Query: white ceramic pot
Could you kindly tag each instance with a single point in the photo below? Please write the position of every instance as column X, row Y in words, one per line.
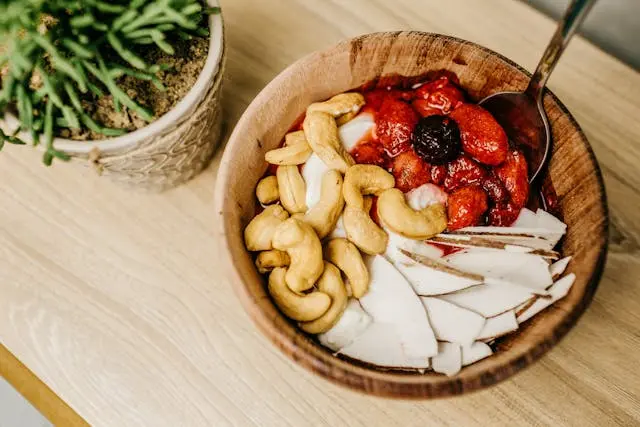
column 170, row 150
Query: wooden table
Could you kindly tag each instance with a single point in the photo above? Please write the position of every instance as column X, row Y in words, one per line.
column 115, row 299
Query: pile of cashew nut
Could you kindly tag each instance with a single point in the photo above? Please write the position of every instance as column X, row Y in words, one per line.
column 312, row 276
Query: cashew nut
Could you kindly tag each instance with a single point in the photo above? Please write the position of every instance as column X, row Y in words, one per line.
column 295, row 152
column 268, row 260
column 339, row 105
column 292, row 188
column 300, row 307
column 259, row 233
column 294, row 138
column 400, row 218
column 322, row 134
column 331, row 284
column 347, row 258
column 303, row 246
column 363, row 232
column 365, row 180
column 324, row 215
column 346, row 118
column 267, row 190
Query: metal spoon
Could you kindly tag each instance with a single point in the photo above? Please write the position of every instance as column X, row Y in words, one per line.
column 521, row 114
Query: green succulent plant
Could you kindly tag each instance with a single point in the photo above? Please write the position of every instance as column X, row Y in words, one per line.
column 52, row 52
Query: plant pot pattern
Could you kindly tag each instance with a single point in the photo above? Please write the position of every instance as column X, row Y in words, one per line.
column 174, row 156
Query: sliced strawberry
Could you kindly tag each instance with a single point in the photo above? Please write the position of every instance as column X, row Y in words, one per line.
column 394, row 125
column 410, row 171
column 503, row 215
column 482, row 137
column 438, row 174
column 514, row 176
column 495, row 189
column 369, row 152
column 463, row 171
column 466, row 206
column 423, row 108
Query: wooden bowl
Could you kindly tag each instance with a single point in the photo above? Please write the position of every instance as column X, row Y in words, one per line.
column 573, row 171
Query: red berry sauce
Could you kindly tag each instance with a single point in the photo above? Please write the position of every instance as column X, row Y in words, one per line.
column 487, row 181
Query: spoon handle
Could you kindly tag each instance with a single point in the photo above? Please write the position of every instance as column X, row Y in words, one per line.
column 573, row 17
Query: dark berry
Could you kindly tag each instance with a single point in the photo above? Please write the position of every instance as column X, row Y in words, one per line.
column 437, row 139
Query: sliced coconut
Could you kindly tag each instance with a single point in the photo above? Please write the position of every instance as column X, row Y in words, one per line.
column 538, row 232
column 383, row 344
column 391, row 299
column 463, row 241
column 489, row 300
column 557, row 268
column 353, row 322
column 429, row 277
column 448, row 361
column 355, row 129
column 550, row 222
column 397, row 242
column 519, row 268
column 452, row 323
column 474, row 352
column 499, row 325
column 312, row 173
column 425, row 195
column 526, row 219
column 558, row 290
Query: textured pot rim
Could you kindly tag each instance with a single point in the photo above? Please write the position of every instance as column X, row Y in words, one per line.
column 209, row 70
column 397, row 385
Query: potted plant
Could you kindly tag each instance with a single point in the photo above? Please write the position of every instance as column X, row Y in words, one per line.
column 130, row 86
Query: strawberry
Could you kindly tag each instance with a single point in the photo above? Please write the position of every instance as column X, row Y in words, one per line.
column 495, row 190
column 394, row 125
column 369, row 152
column 503, row 215
column 463, row 171
column 440, row 94
column 482, row 137
column 438, row 174
column 514, row 176
column 465, row 207
column 410, row 171
column 423, row 107
column 374, row 98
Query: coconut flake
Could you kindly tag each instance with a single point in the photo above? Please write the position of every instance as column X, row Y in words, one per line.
column 430, row 277
column 398, row 242
column 520, row 268
column 383, row 344
column 558, row 290
column 391, row 300
column 557, row 268
column 355, row 129
column 353, row 322
column 499, row 325
column 474, row 352
column 526, row 219
column 489, row 300
column 481, row 243
column 452, row 323
column 448, row 361
column 550, row 222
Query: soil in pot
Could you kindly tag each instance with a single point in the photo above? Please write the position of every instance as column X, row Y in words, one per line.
column 183, row 69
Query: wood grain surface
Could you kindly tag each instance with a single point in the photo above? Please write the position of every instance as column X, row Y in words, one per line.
column 116, row 301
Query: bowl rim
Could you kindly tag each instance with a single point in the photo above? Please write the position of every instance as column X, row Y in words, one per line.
column 390, row 386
